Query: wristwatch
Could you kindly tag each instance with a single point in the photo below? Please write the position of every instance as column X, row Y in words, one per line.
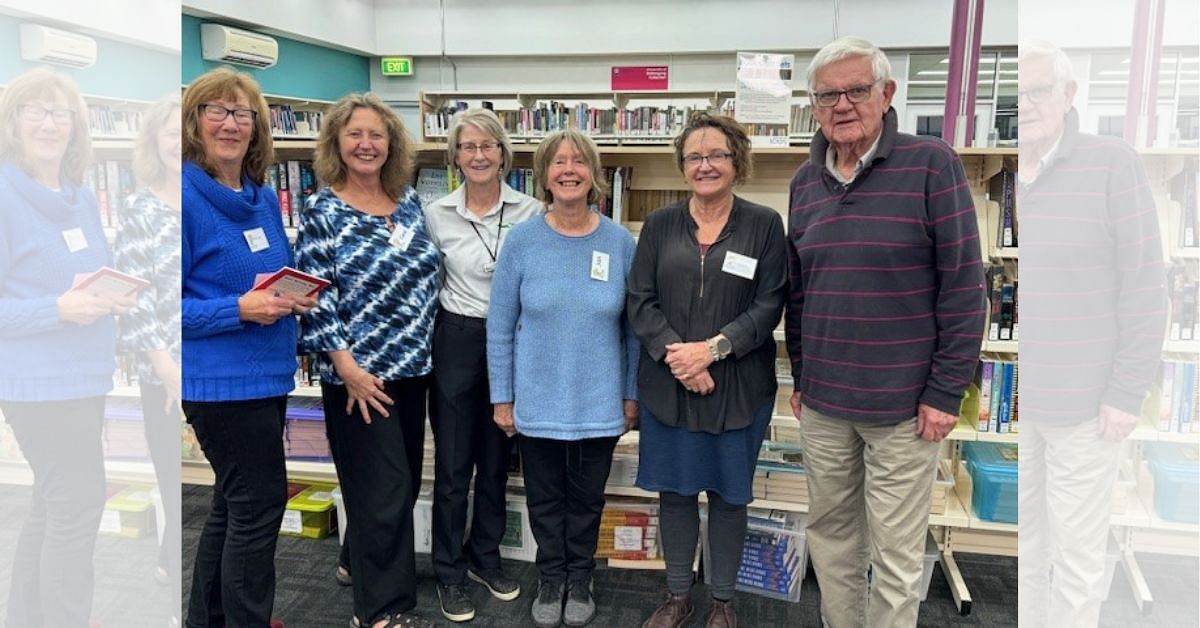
column 719, row 347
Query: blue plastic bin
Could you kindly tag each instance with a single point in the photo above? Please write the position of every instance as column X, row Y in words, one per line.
column 993, row 469
column 1176, row 469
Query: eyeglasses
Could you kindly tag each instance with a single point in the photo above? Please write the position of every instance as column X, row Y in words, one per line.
column 715, row 159
column 486, row 147
column 1037, row 94
column 856, row 95
column 37, row 113
column 218, row 113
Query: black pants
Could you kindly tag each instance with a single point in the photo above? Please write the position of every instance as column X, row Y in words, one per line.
column 466, row 440
column 163, row 436
column 379, row 467
column 564, row 487
column 233, row 583
column 52, row 572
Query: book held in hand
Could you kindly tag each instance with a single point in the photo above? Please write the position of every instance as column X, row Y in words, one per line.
column 288, row 280
column 110, row 283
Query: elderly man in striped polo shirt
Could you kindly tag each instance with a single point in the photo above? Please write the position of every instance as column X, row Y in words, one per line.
column 884, row 322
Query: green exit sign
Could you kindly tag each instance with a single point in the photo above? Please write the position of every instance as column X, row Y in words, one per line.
column 396, row 66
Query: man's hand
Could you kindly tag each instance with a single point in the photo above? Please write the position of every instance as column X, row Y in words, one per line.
column 932, row 424
column 1116, row 425
column 794, row 401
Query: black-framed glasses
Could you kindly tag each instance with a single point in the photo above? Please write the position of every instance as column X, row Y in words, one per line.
column 35, row 113
column 218, row 113
column 715, row 159
column 1037, row 94
column 471, row 149
column 857, row 94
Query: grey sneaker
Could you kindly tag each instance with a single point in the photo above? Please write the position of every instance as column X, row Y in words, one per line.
column 547, row 608
column 580, row 606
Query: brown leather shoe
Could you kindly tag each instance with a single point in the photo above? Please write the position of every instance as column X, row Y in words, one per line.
column 673, row 613
column 721, row 615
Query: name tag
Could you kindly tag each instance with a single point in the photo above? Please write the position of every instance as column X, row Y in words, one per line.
column 401, row 237
column 599, row 266
column 256, row 239
column 75, row 239
column 739, row 265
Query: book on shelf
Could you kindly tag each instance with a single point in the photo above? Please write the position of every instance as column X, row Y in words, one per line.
column 997, row 383
column 104, row 120
column 112, row 182
column 1178, row 396
column 288, row 121
column 293, row 181
column 1184, row 321
column 1189, row 220
column 1007, row 227
column 1002, row 300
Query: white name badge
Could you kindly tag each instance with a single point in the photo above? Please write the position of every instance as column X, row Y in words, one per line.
column 401, row 237
column 75, row 239
column 739, row 265
column 256, row 239
column 599, row 266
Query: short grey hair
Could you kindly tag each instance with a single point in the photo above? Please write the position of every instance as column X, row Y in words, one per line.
column 1064, row 72
column 486, row 121
column 845, row 48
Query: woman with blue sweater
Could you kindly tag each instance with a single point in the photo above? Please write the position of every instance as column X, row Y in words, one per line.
column 372, row 334
column 58, row 344
column 239, row 345
column 562, row 363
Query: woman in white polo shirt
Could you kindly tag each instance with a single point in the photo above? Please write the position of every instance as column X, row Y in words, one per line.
column 469, row 226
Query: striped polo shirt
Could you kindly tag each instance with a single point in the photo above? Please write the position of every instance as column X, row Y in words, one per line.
column 886, row 300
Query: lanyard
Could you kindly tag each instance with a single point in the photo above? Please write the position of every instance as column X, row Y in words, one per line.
column 499, row 224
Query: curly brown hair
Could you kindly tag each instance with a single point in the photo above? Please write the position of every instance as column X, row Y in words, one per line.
column 397, row 170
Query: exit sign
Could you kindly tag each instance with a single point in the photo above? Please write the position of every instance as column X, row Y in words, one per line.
column 396, row 66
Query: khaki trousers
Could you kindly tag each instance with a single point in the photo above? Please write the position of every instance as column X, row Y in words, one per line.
column 1066, row 482
column 869, row 491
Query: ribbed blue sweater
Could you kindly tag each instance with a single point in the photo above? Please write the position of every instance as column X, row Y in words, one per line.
column 45, row 359
column 559, row 345
column 224, row 359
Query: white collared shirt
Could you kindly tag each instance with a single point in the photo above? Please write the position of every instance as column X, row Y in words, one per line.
column 1026, row 177
column 831, row 161
column 464, row 239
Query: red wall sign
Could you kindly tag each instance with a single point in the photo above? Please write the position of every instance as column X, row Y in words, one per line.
column 626, row 77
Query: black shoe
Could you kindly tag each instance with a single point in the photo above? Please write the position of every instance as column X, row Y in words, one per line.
column 456, row 604
column 501, row 586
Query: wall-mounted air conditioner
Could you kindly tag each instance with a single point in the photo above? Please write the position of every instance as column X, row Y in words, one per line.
column 233, row 45
column 51, row 45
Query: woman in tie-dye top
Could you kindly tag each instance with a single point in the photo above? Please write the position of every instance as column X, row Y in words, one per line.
column 371, row 332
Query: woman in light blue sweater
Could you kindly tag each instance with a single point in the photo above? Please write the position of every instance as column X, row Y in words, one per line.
column 57, row 344
column 562, row 363
column 239, row 345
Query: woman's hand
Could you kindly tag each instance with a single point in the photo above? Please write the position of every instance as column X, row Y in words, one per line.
column 302, row 305
column 631, row 414
column 701, row 384
column 167, row 371
column 364, row 390
column 84, row 308
column 264, row 306
column 502, row 414
column 687, row 359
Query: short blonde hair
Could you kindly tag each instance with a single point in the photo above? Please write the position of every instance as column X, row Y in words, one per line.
column 735, row 136
column 148, row 168
column 46, row 83
column 226, row 83
column 327, row 161
column 587, row 149
column 485, row 121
